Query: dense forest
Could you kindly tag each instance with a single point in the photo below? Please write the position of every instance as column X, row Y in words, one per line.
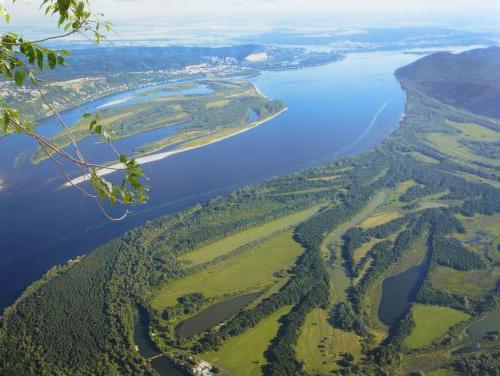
column 412, row 201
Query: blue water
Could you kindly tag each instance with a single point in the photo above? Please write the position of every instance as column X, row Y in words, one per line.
column 333, row 110
column 397, row 294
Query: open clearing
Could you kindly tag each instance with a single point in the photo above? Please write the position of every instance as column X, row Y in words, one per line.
column 325, row 178
column 423, row 158
column 377, row 200
column 320, row 344
column 249, row 270
column 483, row 234
column 474, row 131
column 244, row 355
column 361, row 251
column 232, row 242
column 451, row 145
column 431, row 322
column 441, row 372
column 380, row 218
column 472, row 283
column 400, row 189
column 429, row 362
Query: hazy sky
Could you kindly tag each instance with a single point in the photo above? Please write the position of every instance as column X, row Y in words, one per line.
column 257, row 14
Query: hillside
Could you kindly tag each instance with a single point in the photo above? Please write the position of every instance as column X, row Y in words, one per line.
column 340, row 269
column 469, row 80
column 88, row 62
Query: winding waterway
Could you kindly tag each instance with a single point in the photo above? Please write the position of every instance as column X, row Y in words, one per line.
column 333, row 110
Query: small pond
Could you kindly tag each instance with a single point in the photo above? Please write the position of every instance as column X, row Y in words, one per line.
column 214, row 315
column 490, row 323
column 397, row 294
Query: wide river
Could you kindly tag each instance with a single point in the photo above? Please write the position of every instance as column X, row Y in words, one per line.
column 333, row 110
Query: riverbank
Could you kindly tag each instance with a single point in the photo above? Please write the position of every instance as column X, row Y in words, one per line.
column 159, row 156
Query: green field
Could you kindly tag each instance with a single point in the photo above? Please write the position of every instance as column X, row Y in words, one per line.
column 230, row 243
column 380, row 218
column 474, row 131
column 377, row 200
column 320, row 344
column 483, row 233
column 362, row 250
column 432, row 361
column 441, row 372
column 423, row 158
column 431, row 323
column 453, row 147
column 325, row 178
column 340, row 282
column 246, row 271
column 244, row 355
column 472, row 283
column 400, row 189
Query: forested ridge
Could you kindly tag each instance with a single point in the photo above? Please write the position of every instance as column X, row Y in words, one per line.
column 79, row 319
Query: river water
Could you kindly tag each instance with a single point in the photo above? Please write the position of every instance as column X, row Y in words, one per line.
column 333, row 110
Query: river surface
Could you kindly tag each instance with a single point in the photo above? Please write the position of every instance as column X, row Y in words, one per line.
column 333, row 110
column 148, row 349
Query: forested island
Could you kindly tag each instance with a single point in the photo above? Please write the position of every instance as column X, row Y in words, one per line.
column 198, row 113
column 293, row 276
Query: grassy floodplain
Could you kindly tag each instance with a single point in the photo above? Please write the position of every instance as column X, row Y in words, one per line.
column 244, row 354
column 246, row 271
column 320, row 344
column 471, row 283
column 431, row 322
column 230, row 243
column 442, row 372
column 380, row 218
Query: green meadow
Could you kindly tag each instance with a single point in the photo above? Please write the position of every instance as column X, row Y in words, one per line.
column 246, row 271
column 244, row 355
column 230, row 243
column 431, row 323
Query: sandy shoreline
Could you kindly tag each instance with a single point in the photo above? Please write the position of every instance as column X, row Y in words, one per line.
column 159, row 156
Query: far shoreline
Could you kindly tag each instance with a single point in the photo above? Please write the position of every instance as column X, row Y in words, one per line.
column 145, row 159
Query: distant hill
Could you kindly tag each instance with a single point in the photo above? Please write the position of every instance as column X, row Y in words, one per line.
column 106, row 61
column 99, row 61
column 470, row 80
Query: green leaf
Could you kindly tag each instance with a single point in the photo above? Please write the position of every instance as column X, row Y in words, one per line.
column 4, row 14
column 30, row 52
column 19, row 77
column 52, row 59
column 39, row 58
column 63, row 6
